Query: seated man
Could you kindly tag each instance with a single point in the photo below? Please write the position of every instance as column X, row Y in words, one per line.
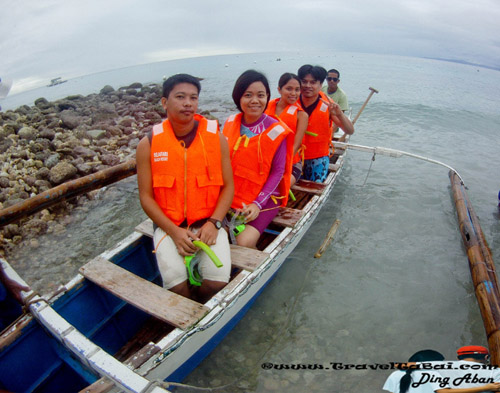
column 332, row 90
column 186, row 187
column 323, row 113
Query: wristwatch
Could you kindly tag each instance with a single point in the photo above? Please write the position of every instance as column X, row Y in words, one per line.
column 217, row 223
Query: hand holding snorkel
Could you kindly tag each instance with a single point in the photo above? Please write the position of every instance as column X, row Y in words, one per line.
column 251, row 212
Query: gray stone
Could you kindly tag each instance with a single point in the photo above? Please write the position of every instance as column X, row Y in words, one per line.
column 70, row 119
column 80, row 151
column 110, row 159
column 52, row 161
column 96, row 134
column 61, row 172
column 107, row 90
column 47, row 133
column 28, row 133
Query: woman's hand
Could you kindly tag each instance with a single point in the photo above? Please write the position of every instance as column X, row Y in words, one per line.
column 183, row 240
column 251, row 212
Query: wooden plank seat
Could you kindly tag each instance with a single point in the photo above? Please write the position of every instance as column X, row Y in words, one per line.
column 241, row 257
column 309, row 186
column 287, row 217
column 161, row 303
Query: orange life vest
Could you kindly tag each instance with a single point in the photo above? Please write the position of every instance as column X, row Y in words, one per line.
column 251, row 159
column 289, row 117
column 186, row 181
column 319, row 123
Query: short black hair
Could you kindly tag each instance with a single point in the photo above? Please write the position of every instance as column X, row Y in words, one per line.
column 174, row 80
column 317, row 72
column 333, row 70
column 287, row 77
column 245, row 80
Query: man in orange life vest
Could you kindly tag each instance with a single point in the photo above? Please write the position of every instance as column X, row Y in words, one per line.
column 323, row 112
column 186, row 187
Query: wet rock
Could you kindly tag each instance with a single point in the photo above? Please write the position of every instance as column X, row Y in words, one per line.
column 135, row 85
column 61, row 172
column 107, row 90
column 52, row 161
column 96, row 134
column 11, row 230
column 47, row 133
column 35, row 227
column 80, row 151
column 11, row 127
column 28, row 133
column 42, row 103
column 110, row 159
column 70, row 119
column 5, row 144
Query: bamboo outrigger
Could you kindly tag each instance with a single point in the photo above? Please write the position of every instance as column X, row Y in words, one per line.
column 481, row 266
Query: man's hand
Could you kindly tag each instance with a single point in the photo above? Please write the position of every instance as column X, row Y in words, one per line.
column 183, row 240
column 208, row 233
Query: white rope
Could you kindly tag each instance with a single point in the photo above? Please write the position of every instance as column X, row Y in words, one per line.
column 394, row 153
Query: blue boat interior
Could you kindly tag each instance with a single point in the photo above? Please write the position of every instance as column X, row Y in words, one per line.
column 37, row 362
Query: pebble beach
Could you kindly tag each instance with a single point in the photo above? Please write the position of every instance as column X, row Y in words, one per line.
column 51, row 142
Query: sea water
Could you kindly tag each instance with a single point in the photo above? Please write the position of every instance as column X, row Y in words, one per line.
column 395, row 280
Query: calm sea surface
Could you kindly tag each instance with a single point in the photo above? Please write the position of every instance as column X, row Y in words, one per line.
column 395, row 280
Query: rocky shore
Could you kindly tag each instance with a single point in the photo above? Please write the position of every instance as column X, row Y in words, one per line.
column 50, row 143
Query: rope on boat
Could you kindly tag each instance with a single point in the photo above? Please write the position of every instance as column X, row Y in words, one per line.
column 385, row 151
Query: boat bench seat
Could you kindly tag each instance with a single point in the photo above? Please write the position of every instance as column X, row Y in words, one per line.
column 287, row 217
column 309, row 186
column 241, row 257
column 159, row 302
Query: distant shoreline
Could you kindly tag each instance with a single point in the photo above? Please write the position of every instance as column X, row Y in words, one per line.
column 464, row 62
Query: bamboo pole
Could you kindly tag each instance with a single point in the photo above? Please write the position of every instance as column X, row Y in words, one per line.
column 481, row 266
column 328, row 239
column 66, row 191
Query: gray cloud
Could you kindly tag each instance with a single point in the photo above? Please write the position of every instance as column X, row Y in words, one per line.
column 40, row 40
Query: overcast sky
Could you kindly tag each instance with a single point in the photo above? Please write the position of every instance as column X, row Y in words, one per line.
column 42, row 39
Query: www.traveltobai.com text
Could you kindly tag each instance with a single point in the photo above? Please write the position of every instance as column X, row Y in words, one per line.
column 375, row 366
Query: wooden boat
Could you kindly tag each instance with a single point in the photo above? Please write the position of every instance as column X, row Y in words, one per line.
column 114, row 327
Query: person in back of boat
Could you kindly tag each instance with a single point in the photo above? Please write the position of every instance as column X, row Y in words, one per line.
column 10, row 299
column 186, row 187
column 323, row 113
column 471, row 369
column 414, row 378
column 261, row 149
column 287, row 109
column 332, row 89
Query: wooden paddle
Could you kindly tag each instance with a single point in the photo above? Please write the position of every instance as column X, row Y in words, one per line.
column 372, row 90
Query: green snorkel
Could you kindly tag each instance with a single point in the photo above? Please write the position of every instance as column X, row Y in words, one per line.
column 192, row 263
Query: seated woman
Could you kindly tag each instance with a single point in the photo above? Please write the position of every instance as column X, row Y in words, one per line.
column 261, row 150
column 287, row 109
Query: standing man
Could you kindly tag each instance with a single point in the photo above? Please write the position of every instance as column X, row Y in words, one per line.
column 333, row 90
column 323, row 113
column 186, row 187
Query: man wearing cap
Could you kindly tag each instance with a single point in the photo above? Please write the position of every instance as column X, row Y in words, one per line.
column 471, row 369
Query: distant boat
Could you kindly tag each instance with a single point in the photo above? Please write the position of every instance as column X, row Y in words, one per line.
column 56, row 81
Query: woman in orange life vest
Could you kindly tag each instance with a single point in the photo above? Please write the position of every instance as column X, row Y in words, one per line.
column 289, row 111
column 186, row 183
column 261, row 149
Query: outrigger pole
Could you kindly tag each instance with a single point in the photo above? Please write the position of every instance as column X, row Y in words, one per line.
column 482, row 267
column 385, row 151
